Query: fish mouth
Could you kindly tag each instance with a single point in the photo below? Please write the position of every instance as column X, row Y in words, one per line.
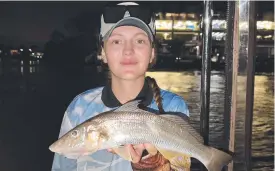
column 53, row 148
column 70, row 152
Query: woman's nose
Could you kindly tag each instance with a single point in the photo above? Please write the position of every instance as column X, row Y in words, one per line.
column 128, row 48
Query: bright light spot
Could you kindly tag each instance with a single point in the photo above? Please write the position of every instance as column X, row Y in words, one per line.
column 214, row 59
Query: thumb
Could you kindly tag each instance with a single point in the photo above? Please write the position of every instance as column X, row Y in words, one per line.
column 111, row 150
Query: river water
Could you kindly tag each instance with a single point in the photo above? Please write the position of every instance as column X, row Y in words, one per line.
column 23, row 113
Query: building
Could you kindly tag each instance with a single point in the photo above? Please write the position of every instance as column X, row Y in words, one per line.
column 179, row 35
column 184, row 29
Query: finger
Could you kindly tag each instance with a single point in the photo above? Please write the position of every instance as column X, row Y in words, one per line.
column 139, row 149
column 111, row 151
column 135, row 153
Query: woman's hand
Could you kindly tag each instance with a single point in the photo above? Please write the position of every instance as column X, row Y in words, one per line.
column 136, row 151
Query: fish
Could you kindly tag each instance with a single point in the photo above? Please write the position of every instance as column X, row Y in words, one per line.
column 170, row 134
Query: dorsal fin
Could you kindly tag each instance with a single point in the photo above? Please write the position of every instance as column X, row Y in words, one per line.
column 129, row 106
column 183, row 121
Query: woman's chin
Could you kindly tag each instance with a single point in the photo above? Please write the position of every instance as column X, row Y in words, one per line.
column 128, row 75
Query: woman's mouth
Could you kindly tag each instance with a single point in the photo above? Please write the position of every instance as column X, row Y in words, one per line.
column 128, row 63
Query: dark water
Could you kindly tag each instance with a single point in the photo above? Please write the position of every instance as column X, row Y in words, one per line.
column 32, row 106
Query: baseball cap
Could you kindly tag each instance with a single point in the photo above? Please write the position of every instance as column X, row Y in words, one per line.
column 127, row 14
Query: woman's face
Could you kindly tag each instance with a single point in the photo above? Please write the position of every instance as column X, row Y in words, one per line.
column 128, row 52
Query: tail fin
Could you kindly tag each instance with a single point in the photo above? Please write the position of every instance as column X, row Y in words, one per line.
column 218, row 160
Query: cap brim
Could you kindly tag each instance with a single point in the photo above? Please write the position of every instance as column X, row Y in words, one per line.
column 130, row 21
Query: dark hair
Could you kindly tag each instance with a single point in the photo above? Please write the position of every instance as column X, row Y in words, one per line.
column 156, row 93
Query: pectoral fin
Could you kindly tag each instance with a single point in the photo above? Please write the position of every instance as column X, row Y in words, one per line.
column 122, row 152
column 177, row 160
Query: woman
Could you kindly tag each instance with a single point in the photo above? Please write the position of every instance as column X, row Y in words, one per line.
column 128, row 50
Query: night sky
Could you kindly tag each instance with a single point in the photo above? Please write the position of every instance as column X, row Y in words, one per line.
column 33, row 22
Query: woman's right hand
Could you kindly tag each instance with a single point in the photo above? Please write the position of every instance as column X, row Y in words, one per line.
column 136, row 151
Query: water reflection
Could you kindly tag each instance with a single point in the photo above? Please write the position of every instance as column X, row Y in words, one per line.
column 263, row 124
column 26, row 71
column 187, row 84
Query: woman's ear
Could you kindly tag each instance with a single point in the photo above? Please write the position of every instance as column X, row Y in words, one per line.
column 103, row 56
column 152, row 55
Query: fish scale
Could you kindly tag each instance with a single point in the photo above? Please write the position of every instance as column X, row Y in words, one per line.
column 138, row 123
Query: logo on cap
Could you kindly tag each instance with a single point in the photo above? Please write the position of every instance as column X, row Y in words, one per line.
column 127, row 14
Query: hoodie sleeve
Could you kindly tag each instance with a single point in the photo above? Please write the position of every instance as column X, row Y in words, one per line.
column 178, row 104
column 70, row 120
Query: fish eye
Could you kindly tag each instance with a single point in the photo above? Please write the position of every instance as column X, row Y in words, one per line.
column 75, row 133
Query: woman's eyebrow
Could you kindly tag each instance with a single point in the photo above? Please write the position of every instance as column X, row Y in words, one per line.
column 141, row 34
column 116, row 34
column 136, row 34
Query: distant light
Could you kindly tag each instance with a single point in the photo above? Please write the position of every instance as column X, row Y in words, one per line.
column 21, row 50
column 214, row 59
column 30, row 50
column 22, row 70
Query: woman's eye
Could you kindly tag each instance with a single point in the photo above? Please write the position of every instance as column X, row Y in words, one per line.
column 116, row 42
column 140, row 41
